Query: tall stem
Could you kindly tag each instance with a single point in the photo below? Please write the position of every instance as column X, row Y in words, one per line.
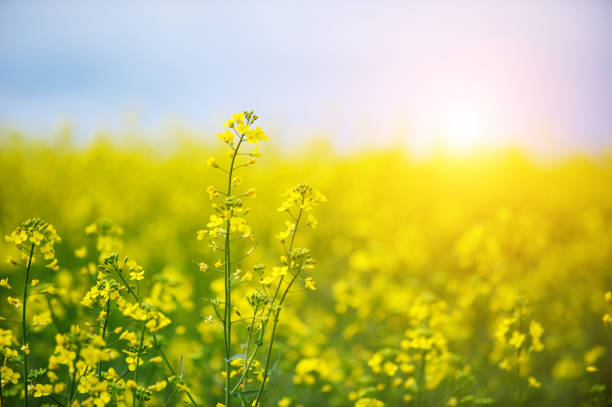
column 519, row 395
column 276, row 315
column 1, row 395
column 24, row 328
column 108, row 301
column 227, row 318
column 144, row 328
column 246, row 353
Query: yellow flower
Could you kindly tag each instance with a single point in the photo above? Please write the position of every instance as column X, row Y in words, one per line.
column 309, row 283
column 255, row 135
column 369, row 402
column 53, row 265
column 608, row 297
column 41, row 390
column 592, row 369
column 533, row 382
column 284, row 402
column 8, row 375
column 517, row 339
column 227, row 136
column 16, row 302
column 137, row 275
column 41, row 320
column 4, row 283
column 158, row 386
column 81, row 252
column 203, row 267
column 390, row 368
column 211, row 162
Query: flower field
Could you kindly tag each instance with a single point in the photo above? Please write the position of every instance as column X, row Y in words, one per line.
column 369, row 278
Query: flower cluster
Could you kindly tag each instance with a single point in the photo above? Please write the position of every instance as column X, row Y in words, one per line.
column 35, row 234
column 245, row 375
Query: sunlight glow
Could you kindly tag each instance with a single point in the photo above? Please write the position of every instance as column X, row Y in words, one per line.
column 465, row 128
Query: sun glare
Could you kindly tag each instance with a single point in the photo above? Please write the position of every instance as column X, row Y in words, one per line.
column 464, row 129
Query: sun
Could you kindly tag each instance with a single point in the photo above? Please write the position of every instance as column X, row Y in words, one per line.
column 464, row 128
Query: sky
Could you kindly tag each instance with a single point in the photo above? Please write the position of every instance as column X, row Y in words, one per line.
column 464, row 75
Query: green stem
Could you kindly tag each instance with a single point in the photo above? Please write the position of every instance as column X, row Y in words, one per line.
column 108, row 301
column 144, row 328
column 244, row 378
column 422, row 379
column 519, row 395
column 1, row 394
column 72, row 380
column 258, row 344
column 157, row 346
column 227, row 320
column 169, row 366
column 24, row 328
column 289, row 260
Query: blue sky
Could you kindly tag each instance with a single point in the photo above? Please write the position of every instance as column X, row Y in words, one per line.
column 536, row 74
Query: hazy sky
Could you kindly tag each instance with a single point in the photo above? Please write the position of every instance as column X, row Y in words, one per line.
column 537, row 73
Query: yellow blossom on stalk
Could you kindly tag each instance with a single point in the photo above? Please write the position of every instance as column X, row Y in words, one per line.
column 211, row 162
column 16, row 302
column 158, row 386
column 9, row 375
column 137, row 275
column 41, row 390
column 236, row 181
column 255, row 135
column 4, row 283
column 309, row 283
column 212, row 192
column 227, row 136
column 390, row 368
column 536, row 331
column 36, row 233
column 41, row 320
column 53, row 265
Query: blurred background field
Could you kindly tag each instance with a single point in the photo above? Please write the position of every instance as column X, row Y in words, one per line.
column 466, row 236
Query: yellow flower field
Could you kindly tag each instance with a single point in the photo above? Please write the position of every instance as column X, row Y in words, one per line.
column 381, row 279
